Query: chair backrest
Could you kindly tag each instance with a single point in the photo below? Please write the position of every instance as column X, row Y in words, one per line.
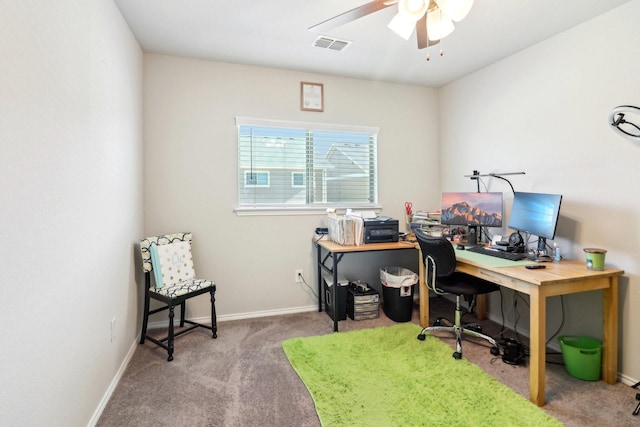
column 440, row 250
column 165, row 239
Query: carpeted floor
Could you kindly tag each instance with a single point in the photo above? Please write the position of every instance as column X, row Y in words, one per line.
column 243, row 378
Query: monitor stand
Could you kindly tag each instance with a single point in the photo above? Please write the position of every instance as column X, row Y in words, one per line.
column 542, row 246
column 541, row 255
column 472, row 235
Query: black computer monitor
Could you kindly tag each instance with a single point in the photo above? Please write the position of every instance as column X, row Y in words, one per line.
column 475, row 209
column 537, row 214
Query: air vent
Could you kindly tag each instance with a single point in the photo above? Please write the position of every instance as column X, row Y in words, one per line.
column 331, row 43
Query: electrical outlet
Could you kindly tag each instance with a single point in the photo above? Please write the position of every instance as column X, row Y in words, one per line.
column 299, row 276
column 113, row 329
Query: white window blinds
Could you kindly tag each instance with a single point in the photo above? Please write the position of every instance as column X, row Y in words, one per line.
column 293, row 164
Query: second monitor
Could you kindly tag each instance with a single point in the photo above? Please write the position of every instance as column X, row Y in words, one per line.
column 536, row 214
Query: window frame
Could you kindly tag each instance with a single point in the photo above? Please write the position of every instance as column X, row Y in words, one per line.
column 316, row 207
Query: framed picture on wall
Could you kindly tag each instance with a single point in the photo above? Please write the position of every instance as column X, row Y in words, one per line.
column 311, row 96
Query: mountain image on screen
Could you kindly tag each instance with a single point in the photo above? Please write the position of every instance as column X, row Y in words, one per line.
column 464, row 214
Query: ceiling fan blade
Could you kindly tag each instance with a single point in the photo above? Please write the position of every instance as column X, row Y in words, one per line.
column 353, row 14
column 422, row 35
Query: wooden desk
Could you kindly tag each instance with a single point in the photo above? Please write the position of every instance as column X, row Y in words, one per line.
column 563, row 278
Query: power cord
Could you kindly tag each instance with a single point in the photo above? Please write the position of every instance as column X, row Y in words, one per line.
column 517, row 342
column 319, row 238
column 309, row 286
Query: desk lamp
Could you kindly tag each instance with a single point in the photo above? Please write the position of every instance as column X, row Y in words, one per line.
column 477, row 175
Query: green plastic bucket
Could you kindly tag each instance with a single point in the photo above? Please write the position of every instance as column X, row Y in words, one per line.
column 594, row 258
column 582, row 356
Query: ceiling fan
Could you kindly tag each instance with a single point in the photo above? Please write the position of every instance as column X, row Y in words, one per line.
column 432, row 19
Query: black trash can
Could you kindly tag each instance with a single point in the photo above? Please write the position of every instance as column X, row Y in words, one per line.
column 397, row 292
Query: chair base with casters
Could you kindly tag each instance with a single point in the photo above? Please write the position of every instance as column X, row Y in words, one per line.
column 442, row 278
column 459, row 329
column 173, row 295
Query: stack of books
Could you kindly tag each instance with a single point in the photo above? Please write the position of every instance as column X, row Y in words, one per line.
column 428, row 220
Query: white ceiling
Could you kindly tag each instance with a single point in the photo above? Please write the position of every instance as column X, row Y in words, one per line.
column 275, row 33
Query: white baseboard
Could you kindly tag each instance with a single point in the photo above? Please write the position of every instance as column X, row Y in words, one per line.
column 624, row 379
column 250, row 315
column 114, row 383
column 240, row 316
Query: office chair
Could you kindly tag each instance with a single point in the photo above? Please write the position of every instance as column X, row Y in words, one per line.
column 440, row 276
column 168, row 258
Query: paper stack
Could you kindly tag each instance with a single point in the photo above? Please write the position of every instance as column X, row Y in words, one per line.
column 347, row 230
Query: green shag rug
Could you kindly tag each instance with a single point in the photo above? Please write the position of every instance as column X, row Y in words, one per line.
column 386, row 377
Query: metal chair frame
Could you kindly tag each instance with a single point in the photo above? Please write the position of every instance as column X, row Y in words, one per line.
column 441, row 277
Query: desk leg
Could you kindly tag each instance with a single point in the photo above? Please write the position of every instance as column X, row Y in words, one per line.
column 610, row 332
column 319, row 266
column 537, row 368
column 423, row 292
column 334, row 293
column 481, row 306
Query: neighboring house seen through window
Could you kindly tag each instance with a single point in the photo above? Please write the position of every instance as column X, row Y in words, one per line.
column 289, row 165
column 256, row 179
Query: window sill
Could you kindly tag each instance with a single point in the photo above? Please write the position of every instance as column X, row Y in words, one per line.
column 297, row 210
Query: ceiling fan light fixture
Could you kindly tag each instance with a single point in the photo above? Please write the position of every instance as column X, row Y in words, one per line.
column 413, row 9
column 409, row 12
column 439, row 25
column 402, row 26
column 457, row 10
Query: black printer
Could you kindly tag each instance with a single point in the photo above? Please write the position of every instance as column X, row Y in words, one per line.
column 380, row 229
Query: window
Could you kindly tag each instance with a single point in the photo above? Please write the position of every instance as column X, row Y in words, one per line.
column 256, row 179
column 292, row 165
column 297, row 179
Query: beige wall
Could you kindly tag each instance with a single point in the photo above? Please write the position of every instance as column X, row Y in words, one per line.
column 191, row 171
column 71, row 191
column 544, row 111
column 71, row 175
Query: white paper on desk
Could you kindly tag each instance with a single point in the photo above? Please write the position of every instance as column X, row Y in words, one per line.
column 335, row 230
column 345, row 230
column 358, row 226
column 365, row 214
column 495, row 240
column 348, row 227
